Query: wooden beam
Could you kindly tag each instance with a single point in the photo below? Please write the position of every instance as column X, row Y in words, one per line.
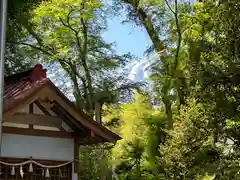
column 70, row 121
column 36, row 132
column 31, row 112
column 35, row 119
column 31, row 108
column 89, row 140
column 43, row 109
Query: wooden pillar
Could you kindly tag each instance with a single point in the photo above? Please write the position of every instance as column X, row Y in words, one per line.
column 76, row 156
column 31, row 112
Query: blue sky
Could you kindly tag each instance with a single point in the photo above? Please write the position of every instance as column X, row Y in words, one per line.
column 133, row 39
column 128, row 37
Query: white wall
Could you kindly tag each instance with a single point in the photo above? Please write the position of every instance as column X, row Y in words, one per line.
column 49, row 148
column 38, row 147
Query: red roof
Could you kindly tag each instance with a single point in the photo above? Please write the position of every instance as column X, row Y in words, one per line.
column 21, row 86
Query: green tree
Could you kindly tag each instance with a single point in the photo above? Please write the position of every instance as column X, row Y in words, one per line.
column 69, row 33
column 142, row 130
column 207, row 70
column 161, row 20
column 212, row 67
column 191, row 151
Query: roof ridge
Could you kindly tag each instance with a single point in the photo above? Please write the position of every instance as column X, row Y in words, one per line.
column 35, row 73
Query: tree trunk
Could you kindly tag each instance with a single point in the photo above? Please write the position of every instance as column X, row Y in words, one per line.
column 85, row 66
column 152, row 32
column 168, row 112
column 98, row 109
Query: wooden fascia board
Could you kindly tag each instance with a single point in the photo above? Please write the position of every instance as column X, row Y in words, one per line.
column 89, row 123
column 71, row 122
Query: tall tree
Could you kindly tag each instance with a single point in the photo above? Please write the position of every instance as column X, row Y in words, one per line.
column 69, row 33
column 142, row 130
column 204, row 140
column 161, row 19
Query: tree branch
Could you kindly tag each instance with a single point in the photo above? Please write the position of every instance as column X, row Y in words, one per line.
column 32, row 46
column 84, row 60
column 179, row 34
column 175, row 13
column 85, row 36
column 29, row 28
column 169, row 7
column 76, row 33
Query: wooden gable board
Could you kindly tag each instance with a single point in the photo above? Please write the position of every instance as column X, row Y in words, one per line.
column 31, row 114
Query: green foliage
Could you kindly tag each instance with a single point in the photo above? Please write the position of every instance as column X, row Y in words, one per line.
column 93, row 163
column 142, row 130
column 112, row 117
column 16, row 60
column 190, row 150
